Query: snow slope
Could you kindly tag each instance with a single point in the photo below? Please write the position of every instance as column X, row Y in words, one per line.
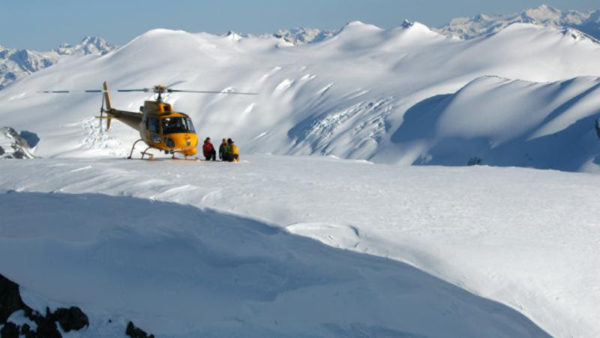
column 508, row 123
column 173, row 270
column 345, row 96
column 526, row 238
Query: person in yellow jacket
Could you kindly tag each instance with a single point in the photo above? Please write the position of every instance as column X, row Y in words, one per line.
column 235, row 151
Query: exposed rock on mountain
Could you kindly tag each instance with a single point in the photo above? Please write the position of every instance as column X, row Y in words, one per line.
column 301, row 36
column 15, row 145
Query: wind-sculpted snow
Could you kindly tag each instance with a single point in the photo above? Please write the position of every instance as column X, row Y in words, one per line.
column 350, row 95
column 216, row 274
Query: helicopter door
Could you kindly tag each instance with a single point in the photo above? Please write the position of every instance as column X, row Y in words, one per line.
column 153, row 128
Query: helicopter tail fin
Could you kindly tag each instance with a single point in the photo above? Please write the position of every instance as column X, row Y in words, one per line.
column 108, row 107
column 106, row 96
column 108, row 110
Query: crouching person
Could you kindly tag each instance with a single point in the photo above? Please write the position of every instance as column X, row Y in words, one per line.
column 223, row 149
column 231, row 152
column 209, row 150
column 235, row 151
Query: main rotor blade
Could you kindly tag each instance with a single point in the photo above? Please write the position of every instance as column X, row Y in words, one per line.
column 145, row 90
column 207, row 92
column 70, row 91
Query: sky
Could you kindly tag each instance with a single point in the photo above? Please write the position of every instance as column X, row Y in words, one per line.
column 43, row 25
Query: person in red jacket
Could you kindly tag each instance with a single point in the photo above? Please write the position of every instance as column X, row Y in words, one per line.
column 209, row 150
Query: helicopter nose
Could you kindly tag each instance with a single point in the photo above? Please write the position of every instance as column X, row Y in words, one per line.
column 182, row 141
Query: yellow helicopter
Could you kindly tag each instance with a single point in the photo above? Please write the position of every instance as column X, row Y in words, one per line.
column 160, row 127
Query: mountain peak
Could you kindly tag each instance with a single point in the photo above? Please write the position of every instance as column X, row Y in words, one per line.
column 407, row 24
column 302, row 35
column 357, row 24
column 357, row 28
column 88, row 45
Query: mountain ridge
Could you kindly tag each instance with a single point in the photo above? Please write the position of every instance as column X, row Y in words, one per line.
column 480, row 25
column 18, row 63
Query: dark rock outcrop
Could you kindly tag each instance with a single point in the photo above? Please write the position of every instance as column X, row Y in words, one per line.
column 135, row 332
column 9, row 330
column 14, row 145
column 71, row 319
column 10, row 301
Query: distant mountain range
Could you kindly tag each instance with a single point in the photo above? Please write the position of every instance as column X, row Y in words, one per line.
column 17, row 63
column 481, row 25
column 587, row 22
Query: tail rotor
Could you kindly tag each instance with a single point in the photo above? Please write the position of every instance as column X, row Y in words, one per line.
column 105, row 99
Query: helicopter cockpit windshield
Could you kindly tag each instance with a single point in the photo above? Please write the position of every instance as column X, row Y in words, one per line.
column 172, row 125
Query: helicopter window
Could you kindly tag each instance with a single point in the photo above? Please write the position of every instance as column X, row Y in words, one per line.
column 190, row 125
column 153, row 125
column 173, row 125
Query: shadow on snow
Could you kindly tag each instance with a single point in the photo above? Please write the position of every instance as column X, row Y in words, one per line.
column 177, row 269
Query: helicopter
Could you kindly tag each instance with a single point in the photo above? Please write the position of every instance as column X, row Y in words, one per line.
column 159, row 126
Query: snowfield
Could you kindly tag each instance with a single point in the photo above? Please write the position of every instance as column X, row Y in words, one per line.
column 220, row 256
column 354, row 243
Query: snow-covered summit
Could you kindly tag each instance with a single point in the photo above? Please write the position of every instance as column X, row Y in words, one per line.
column 89, row 45
column 357, row 29
column 482, row 24
column 301, row 35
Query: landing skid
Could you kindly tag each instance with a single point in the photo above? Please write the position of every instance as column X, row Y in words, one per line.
column 144, row 153
column 193, row 159
column 151, row 156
